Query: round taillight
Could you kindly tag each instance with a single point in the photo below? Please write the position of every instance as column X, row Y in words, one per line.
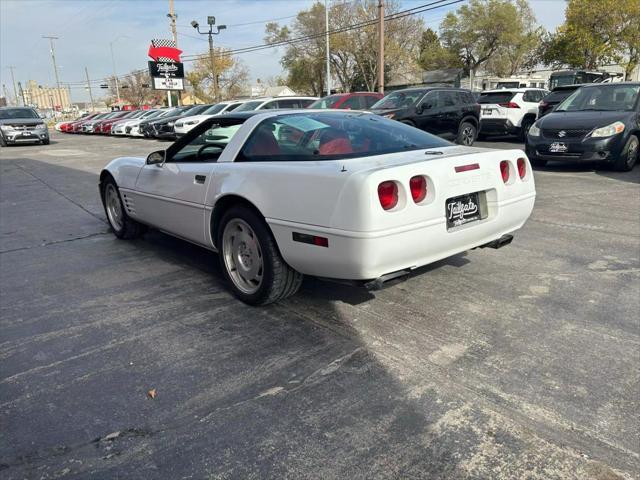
column 418, row 187
column 522, row 167
column 504, row 170
column 388, row 194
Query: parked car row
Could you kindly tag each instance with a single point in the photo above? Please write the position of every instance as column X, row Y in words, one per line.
column 578, row 122
column 171, row 123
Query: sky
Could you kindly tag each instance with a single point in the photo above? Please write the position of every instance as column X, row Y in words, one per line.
column 86, row 27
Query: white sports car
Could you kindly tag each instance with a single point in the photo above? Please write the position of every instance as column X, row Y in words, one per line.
column 337, row 194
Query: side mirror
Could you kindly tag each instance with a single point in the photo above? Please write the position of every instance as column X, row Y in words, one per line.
column 156, row 158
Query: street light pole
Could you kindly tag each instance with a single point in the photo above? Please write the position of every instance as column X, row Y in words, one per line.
column 55, row 67
column 211, row 21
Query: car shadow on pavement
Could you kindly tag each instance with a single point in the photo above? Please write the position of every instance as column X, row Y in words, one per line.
column 91, row 325
column 599, row 168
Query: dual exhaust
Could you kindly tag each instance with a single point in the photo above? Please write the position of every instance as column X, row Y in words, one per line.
column 378, row 283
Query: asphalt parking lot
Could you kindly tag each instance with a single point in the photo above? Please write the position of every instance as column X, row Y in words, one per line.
column 518, row 363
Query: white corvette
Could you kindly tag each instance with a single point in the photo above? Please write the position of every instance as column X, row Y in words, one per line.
column 336, row 194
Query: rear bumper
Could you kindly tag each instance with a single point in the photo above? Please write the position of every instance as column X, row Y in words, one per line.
column 578, row 150
column 370, row 255
column 497, row 126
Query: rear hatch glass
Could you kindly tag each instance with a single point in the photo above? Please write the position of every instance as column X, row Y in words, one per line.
column 493, row 103
column 557, row 97
column 495, row 97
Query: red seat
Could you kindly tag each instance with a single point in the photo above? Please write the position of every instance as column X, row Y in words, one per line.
column 334, row 142
column 263, row 143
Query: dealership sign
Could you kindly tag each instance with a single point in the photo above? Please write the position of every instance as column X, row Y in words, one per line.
column 160, row 83
column 166, row 71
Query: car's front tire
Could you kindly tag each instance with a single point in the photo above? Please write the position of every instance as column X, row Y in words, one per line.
column 123, row 226
column 629, row 155
column 537, row 162
column 3, row 142
column 250, row 260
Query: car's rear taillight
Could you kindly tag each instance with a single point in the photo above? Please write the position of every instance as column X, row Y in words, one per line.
column 504, row 170
column 522, row 167
column 509, row 105
column 388, row 194
column 418, row 187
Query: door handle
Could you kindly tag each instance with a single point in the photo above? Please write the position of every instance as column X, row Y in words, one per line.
column 200, row 178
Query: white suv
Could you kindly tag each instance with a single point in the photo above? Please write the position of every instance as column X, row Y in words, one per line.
column 185, row 124
column 509, row 111
column 276, row 102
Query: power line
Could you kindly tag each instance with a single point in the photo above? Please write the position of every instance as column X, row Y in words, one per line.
column 390, row 17
column 393, row 16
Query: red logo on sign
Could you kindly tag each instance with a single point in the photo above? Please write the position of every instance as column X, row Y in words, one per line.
column 164, row 52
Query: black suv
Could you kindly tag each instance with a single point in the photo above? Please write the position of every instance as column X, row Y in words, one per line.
column 553, row 99
column 448, row 112
column 598, row 122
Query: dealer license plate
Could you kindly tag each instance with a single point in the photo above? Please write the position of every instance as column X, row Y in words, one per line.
column 486, row 111
column 462, row 210
column 26, row 134
column 558, row 147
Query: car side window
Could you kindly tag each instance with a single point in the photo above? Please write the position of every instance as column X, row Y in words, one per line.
column 352, row 103
column 446, row 99
column 271, row 105
column 369, row 100
column 207, row 146
column 531, row 96
column 288, row 103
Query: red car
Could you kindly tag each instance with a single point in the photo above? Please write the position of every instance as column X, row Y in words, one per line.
column 104, row 126
column 68, row 127
column 348, row 101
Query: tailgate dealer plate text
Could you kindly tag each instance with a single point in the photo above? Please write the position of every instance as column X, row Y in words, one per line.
column 462, row 210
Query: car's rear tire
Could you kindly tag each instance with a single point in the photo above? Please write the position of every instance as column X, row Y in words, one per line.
column 466, row 134
column 629, row 155
column 524, row 128
column 250, row 260
column 121, row 224
column 537, row 162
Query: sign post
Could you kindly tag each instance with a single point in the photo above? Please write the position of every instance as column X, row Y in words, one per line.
column 166, row 71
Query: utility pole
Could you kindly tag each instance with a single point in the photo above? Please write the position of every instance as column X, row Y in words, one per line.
column 326, row 30
column 211, row 21
column 55, row 67
column 115, row 77
column 93, row 108
column 381, row 46
column 13, row 80
column 172, row 15
column 6, row 94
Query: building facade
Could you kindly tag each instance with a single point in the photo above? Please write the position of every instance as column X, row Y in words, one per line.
column 46, row 98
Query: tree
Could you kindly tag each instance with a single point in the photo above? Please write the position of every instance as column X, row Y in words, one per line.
column 135, row 89
column 522, row 51
column 433, row 56
column 231, row 73
column 596, row 33
column 353, row 55
column 478, row 31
